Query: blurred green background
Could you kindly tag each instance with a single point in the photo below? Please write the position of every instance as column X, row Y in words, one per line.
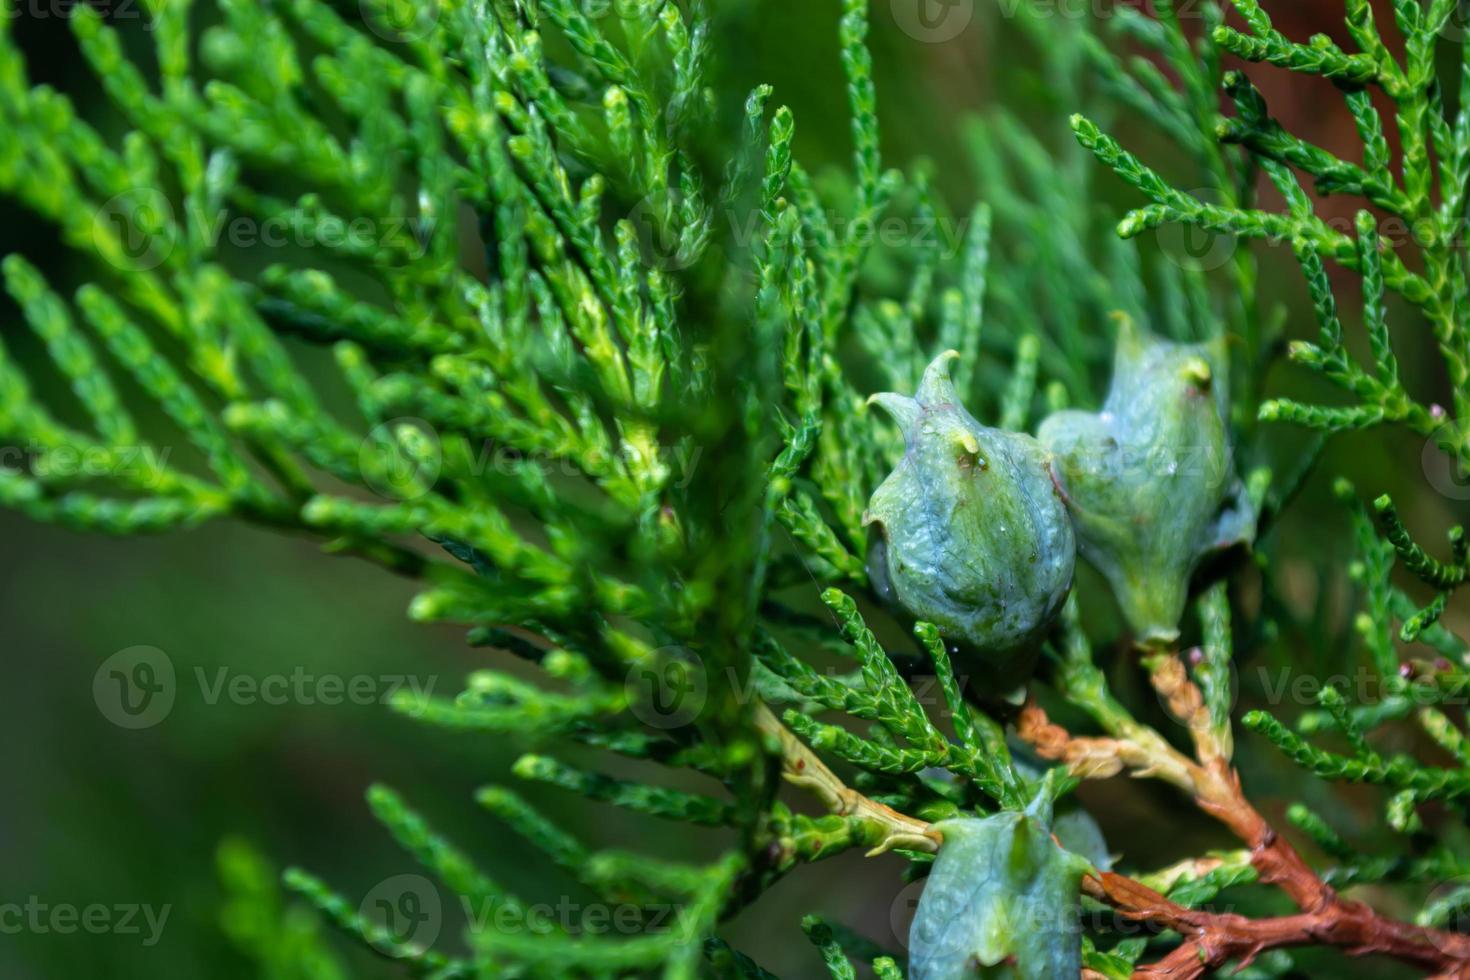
column 95, row 814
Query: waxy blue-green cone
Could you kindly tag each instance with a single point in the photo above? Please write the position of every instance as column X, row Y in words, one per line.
column 1149, row 480
column 1002, row 901
column 973, row 535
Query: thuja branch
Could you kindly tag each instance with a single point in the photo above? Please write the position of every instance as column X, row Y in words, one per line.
column 1214, row 939
column 884, row 827
column 1211, row 939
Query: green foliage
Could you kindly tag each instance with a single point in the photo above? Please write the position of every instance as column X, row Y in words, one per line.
column 1413, row 89
column 286, row 942
column 909, row 741
column 600, row 386
column 1427, row 193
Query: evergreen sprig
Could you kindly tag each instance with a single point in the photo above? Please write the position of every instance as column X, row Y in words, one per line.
column 625, row 436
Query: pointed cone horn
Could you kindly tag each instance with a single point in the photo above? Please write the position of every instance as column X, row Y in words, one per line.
column 937, row 388
column 901, row 408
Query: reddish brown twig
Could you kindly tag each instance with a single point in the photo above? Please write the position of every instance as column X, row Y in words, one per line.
column 1212, row 939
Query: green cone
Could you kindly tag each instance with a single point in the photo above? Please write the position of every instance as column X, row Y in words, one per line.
column 1149, row 480
column 973, row 536
column 1002, row 901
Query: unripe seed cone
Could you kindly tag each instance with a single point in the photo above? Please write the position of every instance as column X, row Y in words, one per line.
column 1149, row 480
column 974, row 537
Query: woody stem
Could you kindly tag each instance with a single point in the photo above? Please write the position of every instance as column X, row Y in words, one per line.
column 1213, row 939
column 803, row 767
